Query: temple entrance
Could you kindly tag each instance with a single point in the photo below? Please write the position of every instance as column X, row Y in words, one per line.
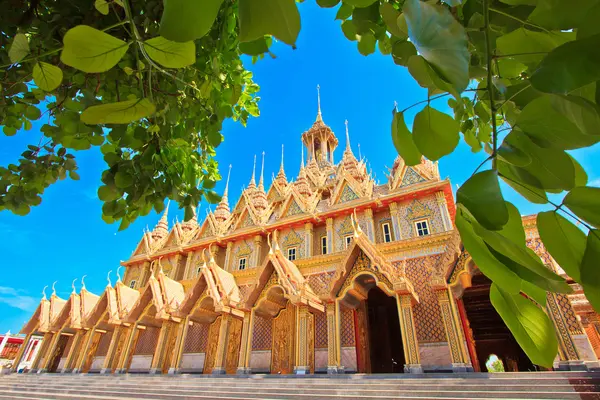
column 282, row 357
column 386, row 354
column 489, row 333
column 59, row 351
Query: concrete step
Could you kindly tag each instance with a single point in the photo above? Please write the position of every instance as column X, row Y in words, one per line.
column 307, row 393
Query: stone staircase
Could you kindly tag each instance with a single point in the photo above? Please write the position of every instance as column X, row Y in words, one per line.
column 537, row 385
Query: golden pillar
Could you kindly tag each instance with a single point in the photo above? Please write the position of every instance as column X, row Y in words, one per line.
column 130, row 336
column 557, row 306
column 308, row 239
column 303, row 351
column 49, row 356
column 20, row 354
column 74, row 350
column 337, row 323
column 409, row 333
column 159, row 356
column 111, row 355
column 179, row 345
column 88, row 350
column 454, row 333
column 220, row 353
column 370, row 224
column 332, row 346
column 41, row 355
column 395, row 221
column 329, row 227
column 246, row 345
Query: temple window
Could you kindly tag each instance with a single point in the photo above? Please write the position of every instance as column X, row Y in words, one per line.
column 387, row 232
column 132, row 283
column 422, row 227
column 348, row 240
column 242, row 263
column 323, row 244
column 291, row 253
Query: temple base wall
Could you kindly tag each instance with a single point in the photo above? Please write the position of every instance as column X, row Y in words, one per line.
column 260, row 361
column 192, row 362
column 140, row 363
column 435, row 356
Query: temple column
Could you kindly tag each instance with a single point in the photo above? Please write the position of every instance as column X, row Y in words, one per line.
column 78, row 339
column 87, row 350
column 227, row 266
column 570, row 359
column 131, row 336
column 246, row 345
column 111, row 354
column 301, row 363
column 338, row 340
column 409, row 334
column 332, row 347
column 43, row 349
column 443, row 206
column 179, row 344
column 50, row 352
column 329, row 235
column 257, row 247
column 370, row 224
column 220, row 354
column 308, row 239
column 394, row 215
column 21, row 353
column 454, row 334
column 161, row 347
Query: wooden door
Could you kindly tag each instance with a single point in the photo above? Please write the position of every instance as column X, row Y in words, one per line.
column 211, row 348
column 170, row 344
column 234, row 341
column 282, row 350
column 58, row 352
column 361, row 326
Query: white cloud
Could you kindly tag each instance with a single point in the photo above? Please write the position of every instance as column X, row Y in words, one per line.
column 15, row 298
column 594, row 182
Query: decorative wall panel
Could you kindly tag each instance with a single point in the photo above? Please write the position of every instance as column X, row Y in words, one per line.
column 146, row 343
column 262, row 333
column 196, row 339
column 320, row 330
column 347, row 327
column 320, row 283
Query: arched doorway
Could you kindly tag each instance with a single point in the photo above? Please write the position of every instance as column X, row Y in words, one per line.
column 379, row 347
column 489, row 332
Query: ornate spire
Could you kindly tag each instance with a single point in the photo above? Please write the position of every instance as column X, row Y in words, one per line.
column 54, row 288
column 44, row 292
column 222, row 211
column 348, row 148
column 259, row 196
column 281, row 178
column 192, row 222
column 319, row 116
column 252, row 184
column 108, row 279
column 262, row 170
column 73, row 286
column 83, row 282
column 162, row 227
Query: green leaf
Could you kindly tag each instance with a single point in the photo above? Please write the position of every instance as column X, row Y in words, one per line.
column 552, row 168
column 279, row 18
column 19, row 48
column 584, row 201
column 327, row 3
column 403, row 51
column 107, row 193
column 403, row 140
column 590, row 278
column 563, row 240
column 484, row 259
column 552, row 121
column 349, row 30
column 360, row 3
column 103, row 6
column 47, row 76
column 425, row 75
column 435, row 133
column 9, row 130
column 212, row 197
column 390, row 16
column 530, row 45
column 123, row 180
column 440, row 39
column 540, row 296
column 255, row 47
column 513, row 176
column 184, row 20
column 344, row 12
column 74, row 175
column 560, row 14
column 366, row 44
column 33, row 113
column 91, row 50
column 568, row 67
column 171, row 54
column 528, row 323
column 481, row 195
column 122, row 112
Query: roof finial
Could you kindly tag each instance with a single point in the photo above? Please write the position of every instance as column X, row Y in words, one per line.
column 281, row 158
column 319, row 117
column 262, row 170
column 347, row 136
column 108, row 279
column 302, row 159
column 227, row 184
column 53, row 288
column 44, row 292
column 82, row 282
column 359, row 154
column 118, row 275
column 252, row 184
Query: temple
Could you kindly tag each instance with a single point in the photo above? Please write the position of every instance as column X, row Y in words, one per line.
column 330, row 272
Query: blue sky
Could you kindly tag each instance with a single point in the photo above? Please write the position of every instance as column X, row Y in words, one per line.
column 65, row 238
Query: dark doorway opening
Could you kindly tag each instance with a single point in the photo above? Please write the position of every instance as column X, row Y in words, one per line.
column 385, row 339
column 490, row 334
column 63, row 340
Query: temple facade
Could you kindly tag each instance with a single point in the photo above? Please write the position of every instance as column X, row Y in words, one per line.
column 329, row 272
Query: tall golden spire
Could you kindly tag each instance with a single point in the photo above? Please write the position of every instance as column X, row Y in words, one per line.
column 222, row 211
column 262, row 170
column 319, row 116
column 347, row 137
column 162, row 227
column 281, row 178
column 252, row 184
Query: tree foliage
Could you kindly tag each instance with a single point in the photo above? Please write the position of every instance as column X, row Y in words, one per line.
column 151, row 82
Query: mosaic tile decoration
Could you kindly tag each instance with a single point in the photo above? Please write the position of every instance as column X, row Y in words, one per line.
column 146, row 343
column 347, row 327
column 320, row 283
column 104, row 344
column 426, row 207
column 293, row 209
column 196, row 339
column 245, row 292
column 411, row 177
column 570, row 317
column 262, row 336
column 320, row 330
column 347, row 194
column 428, row 317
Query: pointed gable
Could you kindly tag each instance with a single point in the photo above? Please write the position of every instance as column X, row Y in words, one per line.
column 143, row 246
column 411, row 177
column 88, row 303
column 39, row 321
column 347, row 194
